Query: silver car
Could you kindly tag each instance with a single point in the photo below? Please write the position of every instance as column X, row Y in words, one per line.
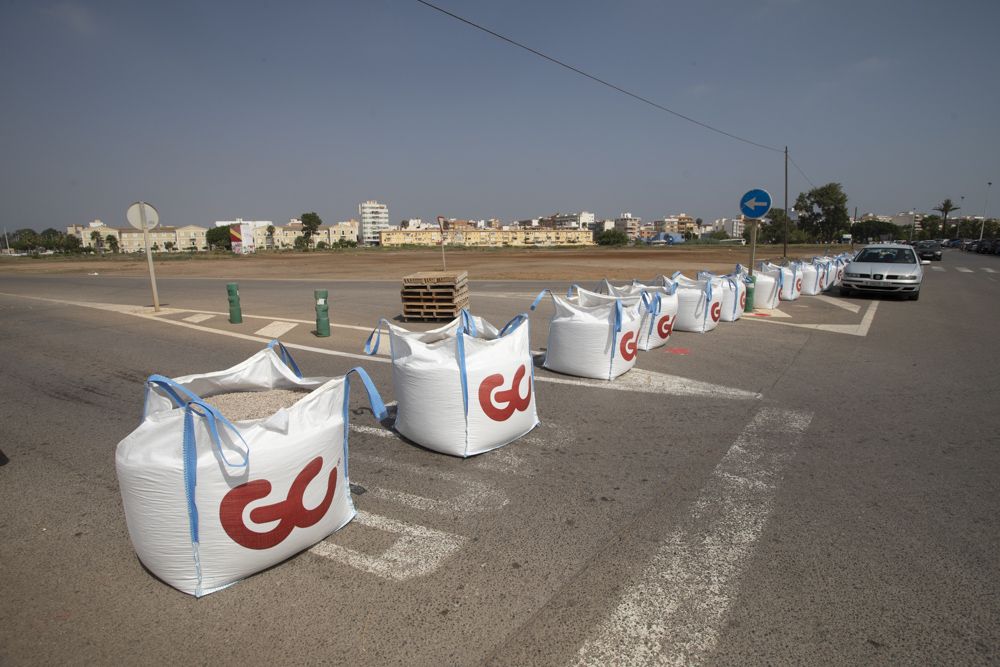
column 884, row 268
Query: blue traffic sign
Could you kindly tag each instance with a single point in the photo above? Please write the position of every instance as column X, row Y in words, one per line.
column 755, row 204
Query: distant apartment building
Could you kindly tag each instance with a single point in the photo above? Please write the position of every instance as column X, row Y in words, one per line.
column 129, row 239
column 374, row 219
column 285, row 235
column 629, row 224
column 733, row 227
column 580, row 220
column 677, row 224
column 908, row 219
column 474, row 237
column 413, row 223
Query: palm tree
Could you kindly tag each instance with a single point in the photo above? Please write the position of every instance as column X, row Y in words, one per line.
column 946, row 207
column 270, row 236
column 95, row 237
column 112, row 243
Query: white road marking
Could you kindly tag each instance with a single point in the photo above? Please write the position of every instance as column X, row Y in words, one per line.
column 937, row 268
column 276, row 329
column 988, row 270
column 962, row 269
column 637, row 379
column 840, row 303
column 860, row 329
column 476, row 496
column 671, row 614
column 417, row 552
column 267, row 317
column 196, row 319
column 651, row 382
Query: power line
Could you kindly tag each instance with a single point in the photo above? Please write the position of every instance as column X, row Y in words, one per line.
column 598, row 80
column 801, row 172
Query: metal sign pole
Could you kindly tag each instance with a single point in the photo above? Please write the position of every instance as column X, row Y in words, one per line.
column 753, row 243
column 149, row 256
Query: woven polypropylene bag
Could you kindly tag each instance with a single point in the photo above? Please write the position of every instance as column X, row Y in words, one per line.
column 464, row 388
column 596, row 341
column 209, row 501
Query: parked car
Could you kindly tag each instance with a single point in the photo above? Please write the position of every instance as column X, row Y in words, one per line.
column 887, row 268
column 985, row 247
column 928, row 250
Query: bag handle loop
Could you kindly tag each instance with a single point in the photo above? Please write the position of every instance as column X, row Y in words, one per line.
column 285, row 356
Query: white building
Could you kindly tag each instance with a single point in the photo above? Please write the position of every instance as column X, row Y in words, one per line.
column 374, row 219
column 581, row 220
column 254, row 224
column 732, row 226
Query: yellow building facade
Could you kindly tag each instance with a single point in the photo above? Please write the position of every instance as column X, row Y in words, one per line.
column 489, row 238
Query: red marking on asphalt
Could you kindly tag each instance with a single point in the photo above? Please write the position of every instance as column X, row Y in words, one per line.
column 758, row 314
column 678, row 350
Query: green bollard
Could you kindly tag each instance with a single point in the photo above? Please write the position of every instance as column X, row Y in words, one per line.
column 751, row 288
column 322, row 313
column 235, row 313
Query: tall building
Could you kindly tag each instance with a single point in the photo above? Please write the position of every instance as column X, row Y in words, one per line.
column 374, row 219
column 630, row 225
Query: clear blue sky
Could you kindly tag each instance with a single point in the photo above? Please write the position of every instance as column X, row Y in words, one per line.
column 265, row 110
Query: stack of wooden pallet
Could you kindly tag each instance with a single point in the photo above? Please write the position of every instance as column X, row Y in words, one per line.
column 435, row 295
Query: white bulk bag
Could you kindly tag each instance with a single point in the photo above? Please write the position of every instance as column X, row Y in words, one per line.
column 812, row 279
column 596, row 341
column 789, row 281
column 734, row 294
column 464, row 388
column 661, row 304
column 766, row 290
column 209, row 501
column 699, row 306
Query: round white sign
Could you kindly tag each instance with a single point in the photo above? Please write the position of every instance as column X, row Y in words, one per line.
column 137, row 210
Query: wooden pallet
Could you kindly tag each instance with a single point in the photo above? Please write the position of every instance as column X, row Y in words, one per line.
column 455, row 278
column 434, row 295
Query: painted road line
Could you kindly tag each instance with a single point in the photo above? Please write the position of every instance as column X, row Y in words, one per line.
column 198, row 318
column 962, row 269
column 276, row 329
column 937, row 268
column 271, row 317
column 672, row 613
column 860, row 329
column 638, row 380
column 651, row 382
column 417, row 551
column 476, row 496
column 840, row 303
column 988, row 270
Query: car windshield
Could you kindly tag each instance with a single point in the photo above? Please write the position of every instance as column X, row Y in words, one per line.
column 887, row 256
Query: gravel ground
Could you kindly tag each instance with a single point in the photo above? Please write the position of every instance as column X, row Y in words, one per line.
column 243, row 405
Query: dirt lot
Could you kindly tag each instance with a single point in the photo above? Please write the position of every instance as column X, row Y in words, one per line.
column 379, row 264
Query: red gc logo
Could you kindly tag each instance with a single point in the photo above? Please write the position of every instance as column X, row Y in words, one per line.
column 507, row 401
column 716, row 311
column 664, row 327
column 798, row 285
column 822, row 281
column 628, row 346
column 290, row 513
column 743, row 301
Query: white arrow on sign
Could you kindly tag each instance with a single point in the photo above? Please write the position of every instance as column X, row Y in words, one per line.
column 753, row 203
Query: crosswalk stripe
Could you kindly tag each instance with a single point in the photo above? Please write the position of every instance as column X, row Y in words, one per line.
column 937, row 268
column 200, row 317
column 962, row 269
column 276, row 329
column 988, row 270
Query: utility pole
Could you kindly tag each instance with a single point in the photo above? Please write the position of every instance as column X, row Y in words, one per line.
column 786, row 203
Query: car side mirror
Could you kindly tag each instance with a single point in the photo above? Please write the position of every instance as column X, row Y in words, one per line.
column 925, row 261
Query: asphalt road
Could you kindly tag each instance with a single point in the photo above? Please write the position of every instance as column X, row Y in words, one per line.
column 818, row 488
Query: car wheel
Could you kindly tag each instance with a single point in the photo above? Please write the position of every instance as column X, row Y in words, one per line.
column 845, row 291
column 915, row 296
